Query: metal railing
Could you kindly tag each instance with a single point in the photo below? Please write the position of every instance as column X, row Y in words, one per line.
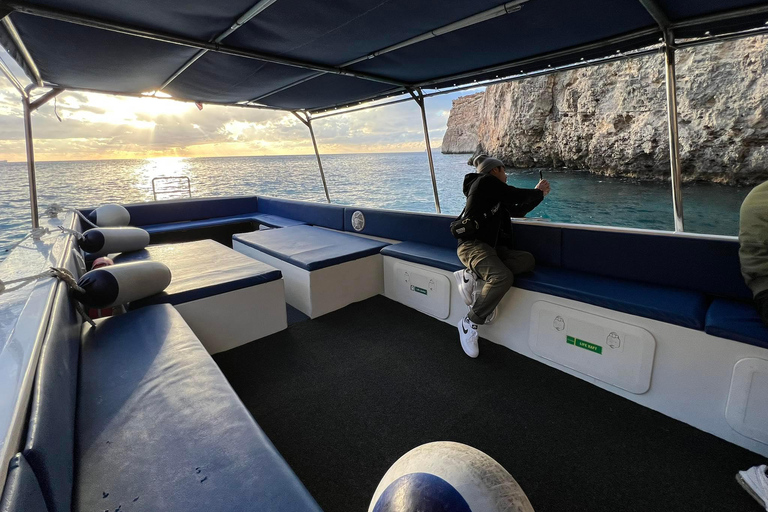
column 183, row 190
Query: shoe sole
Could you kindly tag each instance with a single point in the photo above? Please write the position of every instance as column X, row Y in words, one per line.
column 459, row 284
column 743, row 483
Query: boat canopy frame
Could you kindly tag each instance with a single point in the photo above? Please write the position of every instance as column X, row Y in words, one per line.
column 708, row 28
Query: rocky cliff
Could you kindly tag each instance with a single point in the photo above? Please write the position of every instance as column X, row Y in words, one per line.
column 611, row 119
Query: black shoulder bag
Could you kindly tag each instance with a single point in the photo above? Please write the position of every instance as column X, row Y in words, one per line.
column 465, row 227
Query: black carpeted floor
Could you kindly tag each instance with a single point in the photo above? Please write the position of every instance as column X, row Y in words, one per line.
column 345, row 395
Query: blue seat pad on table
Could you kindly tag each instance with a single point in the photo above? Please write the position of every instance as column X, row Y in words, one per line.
column 430, row 255
column 737, row 321
column 309, row 247
column 201, row 269
column 160, row 428
column 671, row 305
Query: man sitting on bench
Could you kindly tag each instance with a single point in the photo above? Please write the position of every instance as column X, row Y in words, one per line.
column 488, row 254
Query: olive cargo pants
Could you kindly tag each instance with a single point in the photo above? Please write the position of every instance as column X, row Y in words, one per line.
column 497, row 267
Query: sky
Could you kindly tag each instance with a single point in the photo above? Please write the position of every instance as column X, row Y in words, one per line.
column 98, row 126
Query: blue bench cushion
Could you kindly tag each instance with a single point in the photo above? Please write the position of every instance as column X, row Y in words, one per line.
column 272, row 221
column 188, row 225
column 309, row 247
column 51, row 432
column 160, row 428
column 709, row 266
column 679, row 307
column 201, row 269
column 317, row 214
column 178, row 210
column 431, row 255
column 21, row 492
column 736, row 321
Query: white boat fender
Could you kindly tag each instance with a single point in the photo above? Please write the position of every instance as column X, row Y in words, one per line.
column 116, row 285
column 110, row 215
column 101, row 241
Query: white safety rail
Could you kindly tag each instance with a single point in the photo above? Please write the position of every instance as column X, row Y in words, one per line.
column 171, row 187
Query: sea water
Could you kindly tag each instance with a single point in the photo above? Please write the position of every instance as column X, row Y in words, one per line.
column 397, row 181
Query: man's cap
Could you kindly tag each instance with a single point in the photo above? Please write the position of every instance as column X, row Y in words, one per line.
column 488, row 164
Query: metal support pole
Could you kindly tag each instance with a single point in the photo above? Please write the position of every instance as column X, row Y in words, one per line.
column 419, row 97
column 308, row 123
column 30, row 162
column 674, row 140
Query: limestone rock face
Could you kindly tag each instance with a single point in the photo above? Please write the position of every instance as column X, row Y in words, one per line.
column 611, row 119
column 461, row 133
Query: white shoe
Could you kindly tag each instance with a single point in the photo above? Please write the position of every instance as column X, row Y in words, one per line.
column 490, row 318
column 468, row 336
column 465, row 280
column 755, row 482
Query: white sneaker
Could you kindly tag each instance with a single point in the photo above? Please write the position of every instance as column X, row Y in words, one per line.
column 490, row 318
column 755, row 482
column 465, row 280
column 468, row 336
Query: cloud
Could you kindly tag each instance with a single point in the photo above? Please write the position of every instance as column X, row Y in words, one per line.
column 98, row 126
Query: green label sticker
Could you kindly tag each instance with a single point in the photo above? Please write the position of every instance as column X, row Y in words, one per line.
column 584, row 344
column 420, row 290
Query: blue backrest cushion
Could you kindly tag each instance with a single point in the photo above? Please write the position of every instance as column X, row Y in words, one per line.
column 50, row 437
column 544, row 242
column 705, row 265
column 423, row 228
column 162, row 212
column 21, row 492
column 318, row 214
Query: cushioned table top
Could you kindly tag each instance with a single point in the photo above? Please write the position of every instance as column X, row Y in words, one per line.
column 160, row 428
column 670, row 305
column 309, row 247
column 430, row 255
column 201, row 269
column 736, row 321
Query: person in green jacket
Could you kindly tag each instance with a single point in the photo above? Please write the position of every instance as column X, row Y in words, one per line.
column 753, row 250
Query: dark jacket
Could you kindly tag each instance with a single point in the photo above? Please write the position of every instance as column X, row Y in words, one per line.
column 483, row 193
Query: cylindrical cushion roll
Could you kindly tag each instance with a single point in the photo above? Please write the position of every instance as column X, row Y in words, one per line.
column 115, row 285
column 101, row 241
column 110, row 215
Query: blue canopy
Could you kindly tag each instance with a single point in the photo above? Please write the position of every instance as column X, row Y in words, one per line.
column 313, row 55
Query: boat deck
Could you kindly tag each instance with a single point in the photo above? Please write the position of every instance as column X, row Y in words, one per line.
column 345, row 395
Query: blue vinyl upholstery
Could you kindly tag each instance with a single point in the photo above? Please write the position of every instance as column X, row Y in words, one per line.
column 430, row 255
column 703, row 265
column 736, row 321
column 201, row 269
column 407, row 227
column 160, row 428
column 318, row 214
column 184, row 210
column 21, row 492
column 309, row 247
column 188, row 225
column 666, row 304
column 275, row 221
column 544, row 242
column 50, row 434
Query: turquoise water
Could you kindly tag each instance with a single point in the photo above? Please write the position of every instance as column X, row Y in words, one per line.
column 398, row 181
